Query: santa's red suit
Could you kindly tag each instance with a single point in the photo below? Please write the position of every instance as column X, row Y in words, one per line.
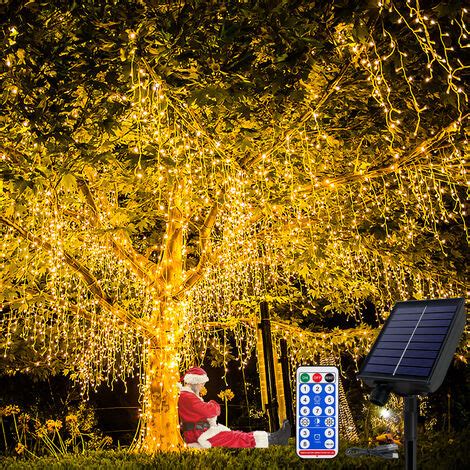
column 199, row 425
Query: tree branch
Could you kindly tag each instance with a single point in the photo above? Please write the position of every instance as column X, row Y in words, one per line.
column 171, row 260
column 426, row 146
column 335, row 336
column 90, row 281
column 140, row 264
column 193, row 275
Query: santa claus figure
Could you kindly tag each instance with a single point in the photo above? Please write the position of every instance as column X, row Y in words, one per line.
column 199, row 420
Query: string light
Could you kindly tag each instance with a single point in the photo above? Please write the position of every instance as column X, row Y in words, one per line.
column 234, row 231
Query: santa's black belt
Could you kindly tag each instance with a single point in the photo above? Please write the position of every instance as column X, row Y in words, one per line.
column 199, row 426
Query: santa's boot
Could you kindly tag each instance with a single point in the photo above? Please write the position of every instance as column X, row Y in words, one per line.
column 281, row 437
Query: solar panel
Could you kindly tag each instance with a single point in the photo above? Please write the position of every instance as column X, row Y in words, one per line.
column 413, row 351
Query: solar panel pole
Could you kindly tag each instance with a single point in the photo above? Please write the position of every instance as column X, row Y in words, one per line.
column 411, row 430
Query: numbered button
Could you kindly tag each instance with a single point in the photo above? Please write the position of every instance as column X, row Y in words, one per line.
column 304, row 443
column 329, row 443
column 329, row 432
column 329, row 388
column 305, row 410
column 329, row 399
column 316, row 411
column 305, row 388
column 329, row 410
column 305, row 399
column 329, row 422
column 304, row 432
column 317, row 388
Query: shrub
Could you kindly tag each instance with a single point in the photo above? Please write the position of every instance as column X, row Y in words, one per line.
column 435, row 452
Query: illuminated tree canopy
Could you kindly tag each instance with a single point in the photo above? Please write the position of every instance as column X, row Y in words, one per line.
column 167, row 166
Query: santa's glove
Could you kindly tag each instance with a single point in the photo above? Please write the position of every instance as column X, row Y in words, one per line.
column 281, row 437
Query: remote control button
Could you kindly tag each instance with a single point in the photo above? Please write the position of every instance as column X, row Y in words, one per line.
column 304, row 422
column 304, row 377
column 329, row 410
column 305, row 410
column 304, row 432
column 304, row 443
column 329, row 422
column 329, row 443
column 304, row 388
column 329, row 399
column 305, row 399
column 329, row 432
column 316, row 411
column 317, row 388
column 330, row 377
column 317, row 421
column 330, row 388
column 316, row 437
column 317, row 377
column 317, row 399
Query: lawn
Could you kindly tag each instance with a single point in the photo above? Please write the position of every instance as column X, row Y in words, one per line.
column 435, row 452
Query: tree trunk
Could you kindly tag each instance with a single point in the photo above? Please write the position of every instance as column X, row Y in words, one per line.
column 161, row 422
column 161, row 392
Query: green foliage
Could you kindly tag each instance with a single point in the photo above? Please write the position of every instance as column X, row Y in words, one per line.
column 323, row 130
column 448, row 451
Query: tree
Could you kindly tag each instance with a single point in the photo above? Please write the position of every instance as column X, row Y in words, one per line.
column 166, row 166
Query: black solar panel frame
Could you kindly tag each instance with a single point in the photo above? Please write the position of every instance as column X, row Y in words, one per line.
column 443, row 348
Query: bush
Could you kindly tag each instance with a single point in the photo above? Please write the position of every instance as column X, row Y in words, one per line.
column 213, row 459
column 435, row 452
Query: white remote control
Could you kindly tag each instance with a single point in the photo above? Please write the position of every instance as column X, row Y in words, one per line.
column 317, row 412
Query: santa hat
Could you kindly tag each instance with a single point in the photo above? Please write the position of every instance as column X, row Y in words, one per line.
column 195, row 375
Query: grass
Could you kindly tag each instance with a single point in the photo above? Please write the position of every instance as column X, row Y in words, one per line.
column 436, row 453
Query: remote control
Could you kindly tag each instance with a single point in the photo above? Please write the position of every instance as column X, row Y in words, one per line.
column 317, row 412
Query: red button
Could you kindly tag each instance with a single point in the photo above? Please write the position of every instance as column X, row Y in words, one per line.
column 317, row 377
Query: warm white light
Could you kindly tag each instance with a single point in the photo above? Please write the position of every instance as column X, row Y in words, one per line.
column 385, row 413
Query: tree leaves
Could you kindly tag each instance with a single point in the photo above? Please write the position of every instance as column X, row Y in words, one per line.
column 69, row 182
column 280, row 113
